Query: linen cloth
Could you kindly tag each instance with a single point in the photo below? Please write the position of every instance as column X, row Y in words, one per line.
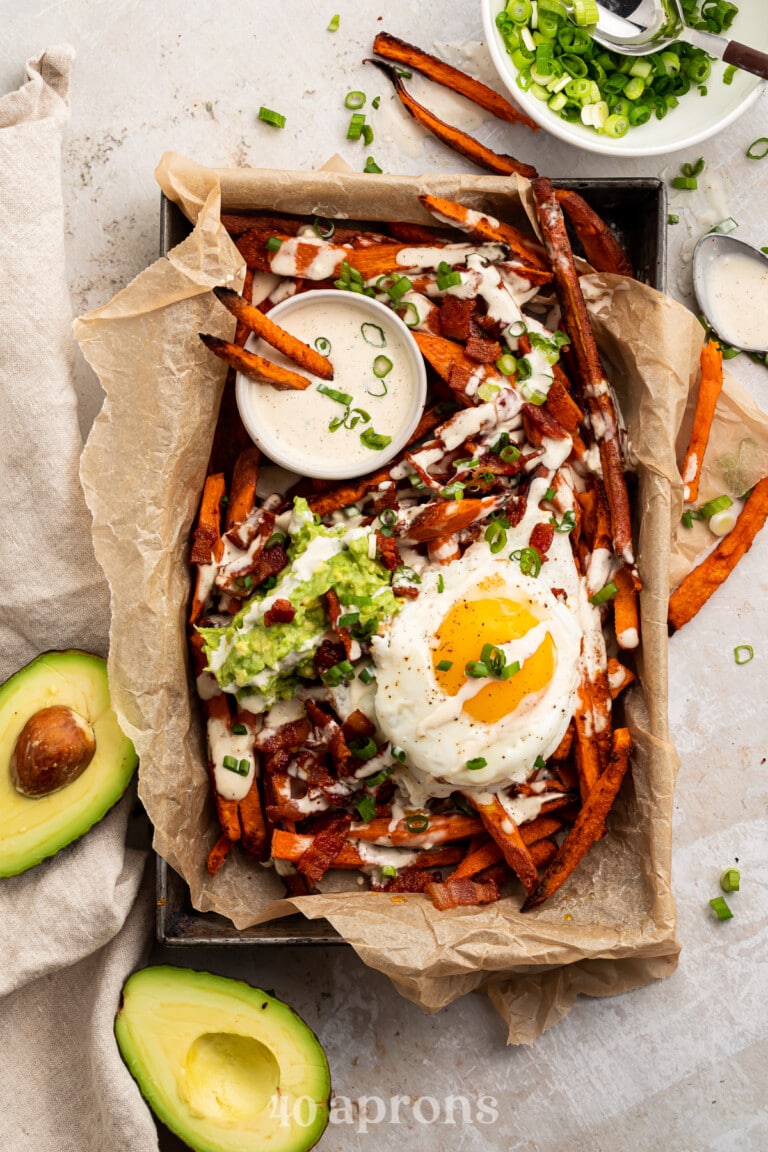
column 73, row 928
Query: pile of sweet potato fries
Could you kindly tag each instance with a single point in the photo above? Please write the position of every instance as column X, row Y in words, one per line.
column 309, row 807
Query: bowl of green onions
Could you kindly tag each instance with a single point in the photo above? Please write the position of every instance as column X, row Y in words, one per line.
column 621, row 105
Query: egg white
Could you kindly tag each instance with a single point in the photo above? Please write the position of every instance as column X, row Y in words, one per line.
column 418, row 716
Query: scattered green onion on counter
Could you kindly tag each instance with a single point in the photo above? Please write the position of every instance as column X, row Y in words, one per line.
column 334, row 24
column 354, row 100
column 372, row 166
column 743, row 653
column 730, row 880
column 758, row 149
column 276, row 119
column 720, row 908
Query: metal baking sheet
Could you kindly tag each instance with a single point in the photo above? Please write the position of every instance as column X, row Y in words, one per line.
column 636, row 211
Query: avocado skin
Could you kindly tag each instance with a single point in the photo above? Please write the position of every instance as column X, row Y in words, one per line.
column 165, row 1010
column 33, row 829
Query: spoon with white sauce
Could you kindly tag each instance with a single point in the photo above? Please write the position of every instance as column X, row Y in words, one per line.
column 639, row 27
column 730, row 279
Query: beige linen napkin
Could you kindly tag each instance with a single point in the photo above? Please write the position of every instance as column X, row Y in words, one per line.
column 68, row 935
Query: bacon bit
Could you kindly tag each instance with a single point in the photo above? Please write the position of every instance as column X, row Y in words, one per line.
column 328, row 843
column 357, row 726
column 559, row 594
column 482, row 350
column 334, row 615
column 542, row 536
column 281, row 612
column 410, row 879
column 560, row 404
column 538, row 423
column 287, row 738
column 327, row 654
column 268, row 563
column 388, row 552
column 452, row 893
column 454, row 317
column 405, row 590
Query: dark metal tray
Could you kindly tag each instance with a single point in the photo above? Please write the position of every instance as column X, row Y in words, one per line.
column 636, row 211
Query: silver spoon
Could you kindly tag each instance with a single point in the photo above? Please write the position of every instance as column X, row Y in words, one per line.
column 730, row 279
column 639, row 27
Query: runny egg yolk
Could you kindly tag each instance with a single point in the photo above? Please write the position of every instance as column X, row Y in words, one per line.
column 466, row 627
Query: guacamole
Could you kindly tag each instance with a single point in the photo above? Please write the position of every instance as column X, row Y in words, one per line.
column 263, row 663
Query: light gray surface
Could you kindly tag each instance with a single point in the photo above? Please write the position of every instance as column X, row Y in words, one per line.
column 679, row 1066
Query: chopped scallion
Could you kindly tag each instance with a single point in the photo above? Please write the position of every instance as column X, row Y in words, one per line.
column 445, row 666
column 743, row 653
column 276, row 119
column 720, row 908
column 334, row 24
column 476, row 764
column 273, row 244
column 604, row 595
column 372, row 166
column 354, row 100
column 730, row 880
column 758, row 149
column 419, row 822
column 374, row 440
column 334, row 394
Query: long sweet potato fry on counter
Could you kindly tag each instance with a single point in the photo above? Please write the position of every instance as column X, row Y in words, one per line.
column 710, row 387
column 456, row 139
column 597, row 391
column 391, row 48
column 714, row 570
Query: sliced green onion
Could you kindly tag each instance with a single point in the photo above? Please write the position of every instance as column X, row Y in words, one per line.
column 337, row 674
column 517, row 329
column 363, row 749
column 368, row 136
column 371, row 165
column 376, row 101
column 693, row 169
column 445, row 666
column 348, row 620
column 730, row 880
column 398, row 288
column 604, row 595
column 673, row 219
column 239, row 730
column 507, row 364
column 476, row 764
column 366, row 676
column 725, row 226
column 273, row 244
column 495, row 536
column 247, row 581
column 334, row 24
column 687, row 183
column 389, row 871
column 448, row 280
column 454, row 491
column 549, row 494
column 334, row 394
column 323, row 227
column 729, row 74
column 417, row 823
column 366, row 809
column 712, row 507
column 529, row 560
column 567, row 524
column 510, row 670
column 403, row 72
column 397, row 754
column 687, row 519
column 720, row 908
column 374, row 440
column 382, row 365
column 378, row 395
column 232, row 764
column 758, row 149
column 354, row 100
column 323, row 345
column 487, row 391
column 275, row 538
column 355, row 129
column 276, row 119
column 743, row 653
column 539, row 763
column 476, row 669
column 509, row 454
column 441, row 583
column 373, row 334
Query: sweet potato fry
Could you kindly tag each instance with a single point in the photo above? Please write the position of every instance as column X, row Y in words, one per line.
column 619, row 677
column 487, row 228
column 710, row 387
column 589, row 825
column 255, row 838
column 626, row 615
column 391, row 48
column 218, row 854
column 507, row 835
column 206, row 542
column 697, row 587
column 445, row 517
column 441, row 830
column 596, row 388
column 452, row 364
column 307, row 358
column 255, row 367
column 459, row 141
column 474, row 862
column 601, row 247
column 561, row 405
column 292, row 845
column 242, row 493
column 543, row 852
column 216, row 708
column 346, row 494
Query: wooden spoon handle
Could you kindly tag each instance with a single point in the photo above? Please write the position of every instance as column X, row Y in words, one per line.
column 746, row 58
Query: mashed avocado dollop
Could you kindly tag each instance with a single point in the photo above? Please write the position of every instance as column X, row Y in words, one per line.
column 263, row 664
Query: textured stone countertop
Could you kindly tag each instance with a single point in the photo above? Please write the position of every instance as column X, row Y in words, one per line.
column 678, row 1066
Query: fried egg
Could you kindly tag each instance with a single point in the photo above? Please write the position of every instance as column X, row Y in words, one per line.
column 464, row 730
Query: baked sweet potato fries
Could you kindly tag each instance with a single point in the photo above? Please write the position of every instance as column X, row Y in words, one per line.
column 504, row 443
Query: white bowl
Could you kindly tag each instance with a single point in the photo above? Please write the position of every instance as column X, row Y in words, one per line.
column 695, row 119
column 293, row 427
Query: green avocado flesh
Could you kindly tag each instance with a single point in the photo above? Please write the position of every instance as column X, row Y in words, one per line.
column 222, row 1064
column 32, row 829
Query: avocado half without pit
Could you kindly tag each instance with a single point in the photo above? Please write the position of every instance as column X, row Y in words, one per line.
column 64, row 762
column 225, row 1066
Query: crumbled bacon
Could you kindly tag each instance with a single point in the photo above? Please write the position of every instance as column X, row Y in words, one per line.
column 281, row 612
column 328, row 653
column 406, row 590
column 410, row 879
column 279, row 745
column 388, row 552
column 538, row 423
column 357, row 726
column 324, row 848
column 204, row 540
column 454, row 317
column 542, row 536
column 451, row 893
column 482, row 350
column 334, row 614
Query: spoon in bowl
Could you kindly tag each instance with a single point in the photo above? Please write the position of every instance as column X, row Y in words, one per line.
column 634, row 28
column 730, row 279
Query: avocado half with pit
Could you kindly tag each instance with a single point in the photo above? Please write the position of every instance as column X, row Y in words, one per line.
column 225, row 1066
column 64, row 761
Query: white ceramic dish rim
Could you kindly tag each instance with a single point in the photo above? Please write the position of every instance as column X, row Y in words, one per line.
column 372, row 308
column 581, row 137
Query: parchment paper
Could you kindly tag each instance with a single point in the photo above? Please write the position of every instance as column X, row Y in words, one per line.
column 611, row 927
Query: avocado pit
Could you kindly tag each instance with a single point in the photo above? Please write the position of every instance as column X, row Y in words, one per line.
column 54, row 747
